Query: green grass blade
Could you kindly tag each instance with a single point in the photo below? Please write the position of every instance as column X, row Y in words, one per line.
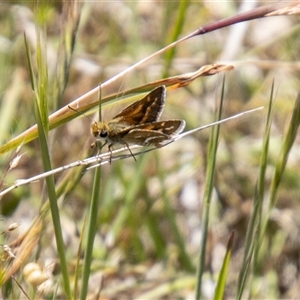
column 221, row 282
column 41, row 115
column 255, row 217
column 77, row 268
column 91, row 231
column 208, row 188
column 288, row 142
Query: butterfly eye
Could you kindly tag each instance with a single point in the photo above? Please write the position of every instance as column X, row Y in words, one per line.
column 103, row 134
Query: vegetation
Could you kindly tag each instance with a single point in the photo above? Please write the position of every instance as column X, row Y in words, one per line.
column 212, row 215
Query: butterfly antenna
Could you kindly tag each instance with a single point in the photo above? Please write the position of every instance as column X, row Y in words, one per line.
column 100, row 104
column 81, row 113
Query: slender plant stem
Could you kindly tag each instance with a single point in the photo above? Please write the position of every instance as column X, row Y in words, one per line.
column 91, row 231
column 209, row 182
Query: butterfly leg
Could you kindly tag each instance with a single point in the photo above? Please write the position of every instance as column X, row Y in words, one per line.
column 109, row 149
column 130, row 151
column 102, row 145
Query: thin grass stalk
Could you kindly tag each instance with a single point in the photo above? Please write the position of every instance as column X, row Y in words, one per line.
column 41, row 115
column 91, row 229
column 21, row 288
column 208, row 188
column 91, row 232
column 246, row 268
column 255, row 216
column 77, row 267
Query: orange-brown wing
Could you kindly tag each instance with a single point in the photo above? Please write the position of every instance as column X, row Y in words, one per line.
column 145, row 137
column 168, row 127
column 146, row 110
column 153, row 134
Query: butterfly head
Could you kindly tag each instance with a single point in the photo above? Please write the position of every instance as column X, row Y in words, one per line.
column 100, row 130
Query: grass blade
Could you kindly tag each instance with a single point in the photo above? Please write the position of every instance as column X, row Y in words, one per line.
column 41, row 115
column 91, row 231
column 255, row 217
column 220, row 286
column 209, row 183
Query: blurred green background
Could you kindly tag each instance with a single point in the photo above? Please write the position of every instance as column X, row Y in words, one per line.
column 149, row 221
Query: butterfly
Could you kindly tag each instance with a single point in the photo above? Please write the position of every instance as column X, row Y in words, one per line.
column 139, row 124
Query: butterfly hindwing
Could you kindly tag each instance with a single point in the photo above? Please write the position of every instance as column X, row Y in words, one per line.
column 169, row 127
column 146, row 137
column 153, row 133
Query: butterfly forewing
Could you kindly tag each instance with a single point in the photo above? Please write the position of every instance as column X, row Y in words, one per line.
column 146, row 110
